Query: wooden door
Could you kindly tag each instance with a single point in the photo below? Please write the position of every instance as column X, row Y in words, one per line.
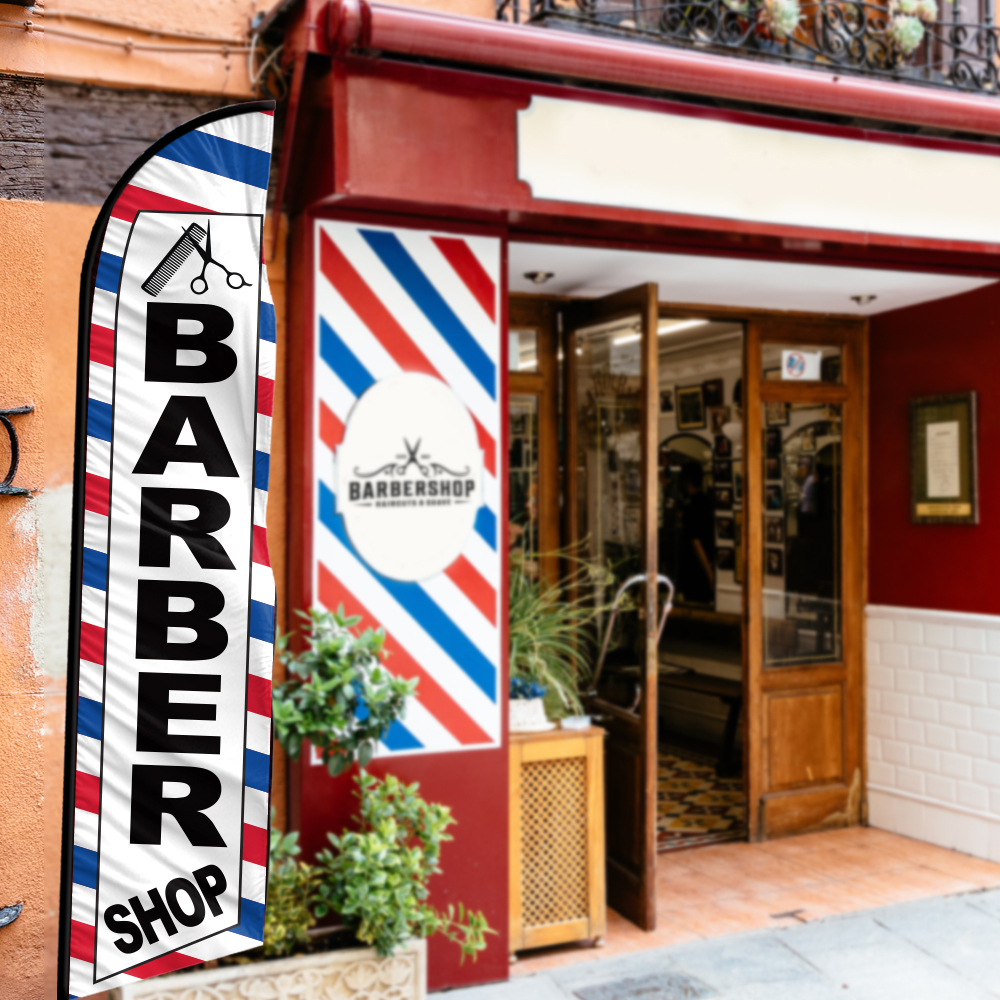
column 804, row 441
column 610, row 423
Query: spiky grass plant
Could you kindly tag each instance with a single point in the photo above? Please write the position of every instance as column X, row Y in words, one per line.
column 552, row 629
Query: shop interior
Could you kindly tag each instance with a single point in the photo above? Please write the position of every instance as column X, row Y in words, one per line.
column 575, row 436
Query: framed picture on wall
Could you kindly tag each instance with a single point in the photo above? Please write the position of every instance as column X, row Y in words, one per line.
column 719, row 416
column 722, row 471
column 944, row 487
column 725, row 558
column 772, row 467
column 772, row 441
column 723, row 446
column 714, row 393
column 774, row 530
column 725, row 529
column 776, row 414
column 666, row 401
column 690, row 408
column 774, row 498
column 774, row 562
column 723, row 498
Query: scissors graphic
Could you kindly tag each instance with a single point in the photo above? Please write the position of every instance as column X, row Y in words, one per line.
column 199, row 285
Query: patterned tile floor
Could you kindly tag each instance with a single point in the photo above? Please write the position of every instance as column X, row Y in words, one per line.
column 695, row 806
column 726, row 888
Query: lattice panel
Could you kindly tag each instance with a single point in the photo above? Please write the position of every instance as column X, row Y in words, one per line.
column 554, row 841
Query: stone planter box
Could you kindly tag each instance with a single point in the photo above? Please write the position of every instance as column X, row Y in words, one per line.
column 351, row 974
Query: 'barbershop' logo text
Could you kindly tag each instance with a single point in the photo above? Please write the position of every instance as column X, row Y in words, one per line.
column 409, row 476
column 412, row 479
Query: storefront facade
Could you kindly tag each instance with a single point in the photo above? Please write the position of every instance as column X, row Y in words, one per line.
column 623, row 178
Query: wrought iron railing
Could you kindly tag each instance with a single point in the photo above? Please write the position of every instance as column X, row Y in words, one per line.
column 912, row 40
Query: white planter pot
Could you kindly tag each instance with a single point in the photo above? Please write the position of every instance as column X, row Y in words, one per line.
column 332, row 975
column 527, row 715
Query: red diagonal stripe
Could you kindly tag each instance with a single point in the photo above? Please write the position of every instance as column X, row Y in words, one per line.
column 259, row 695
column 96, row 494
column 331, row 430
column 88, row 791
column 339, row 271
column 260, row 553
column 254, row 844
column 470, row 581
column 136, row 199
column 102, row 345
column 265, row 395
column 488, row 446
column 434, row 698
column 81, row 941
column 466, row 265
column 162, row 965
column 91, row 643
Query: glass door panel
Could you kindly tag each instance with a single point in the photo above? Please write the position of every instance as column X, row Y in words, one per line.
column 522, row 483
column 802, row 536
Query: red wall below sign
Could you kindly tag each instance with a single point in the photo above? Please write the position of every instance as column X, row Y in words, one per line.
column 952, row 345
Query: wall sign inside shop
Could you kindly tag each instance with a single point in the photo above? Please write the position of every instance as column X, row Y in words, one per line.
column 943, row 459
column 172, row 614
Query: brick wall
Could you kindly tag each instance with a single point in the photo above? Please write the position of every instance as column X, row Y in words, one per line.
column 934, row 726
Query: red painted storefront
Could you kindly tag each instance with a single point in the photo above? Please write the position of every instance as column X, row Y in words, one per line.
column 408, row 119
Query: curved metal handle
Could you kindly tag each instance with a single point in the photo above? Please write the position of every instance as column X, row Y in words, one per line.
column 667, row 608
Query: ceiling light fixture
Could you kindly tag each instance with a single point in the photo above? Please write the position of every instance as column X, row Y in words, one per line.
column 863, row 300
column 684, row 324
column 538, row 277
column 663, row 331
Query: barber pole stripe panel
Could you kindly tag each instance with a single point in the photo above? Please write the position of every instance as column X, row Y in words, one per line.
column 225, row 164
column 387, row 302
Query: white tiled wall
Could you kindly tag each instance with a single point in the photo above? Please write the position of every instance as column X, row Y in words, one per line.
column 934, row 727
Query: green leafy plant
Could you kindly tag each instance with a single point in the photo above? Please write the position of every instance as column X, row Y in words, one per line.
column 343, row 700
column 376, row 877
column 339, row 695
column 290, row 887
column 551, row 633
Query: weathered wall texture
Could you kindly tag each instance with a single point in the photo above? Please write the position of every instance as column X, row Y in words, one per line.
column 22, row 138
column 22, row 685
column 129, row 43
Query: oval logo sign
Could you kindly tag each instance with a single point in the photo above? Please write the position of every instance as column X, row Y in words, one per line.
column 409, row 476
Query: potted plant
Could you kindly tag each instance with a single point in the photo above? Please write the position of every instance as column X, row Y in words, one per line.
column 340, row 698
column 551, row 630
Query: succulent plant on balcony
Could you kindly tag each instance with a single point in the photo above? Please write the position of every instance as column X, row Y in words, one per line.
column 906, row 32
column 780, row 17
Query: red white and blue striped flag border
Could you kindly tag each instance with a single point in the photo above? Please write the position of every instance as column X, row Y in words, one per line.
column 217, row 163
column 386, row 301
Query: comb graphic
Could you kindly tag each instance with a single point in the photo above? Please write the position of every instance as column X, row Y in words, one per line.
column 178, row 253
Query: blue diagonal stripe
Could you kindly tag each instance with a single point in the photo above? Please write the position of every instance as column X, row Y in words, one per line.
column 414, row 599
column 342, row 360
column 85, row 867
column 220, row 156
column 268, row 323
column 486, row 525
column 261, row 621
column 88, row 718
column 99, row 419
column 95, row 569
column 400, row 738
column 109, row 270
column 429, row 301
column 258, row 770
column 251, row 923
column 261, row 470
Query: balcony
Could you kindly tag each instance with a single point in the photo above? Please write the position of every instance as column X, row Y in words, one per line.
column 927, row 42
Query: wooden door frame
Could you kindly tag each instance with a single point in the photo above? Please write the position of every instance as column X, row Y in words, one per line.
column 640, row 299
column 835, row 803
column 542, row 315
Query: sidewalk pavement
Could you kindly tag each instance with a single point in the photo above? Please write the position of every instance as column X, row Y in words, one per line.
column 944, row 948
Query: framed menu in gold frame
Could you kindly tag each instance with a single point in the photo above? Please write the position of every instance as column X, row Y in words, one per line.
column 943, row 464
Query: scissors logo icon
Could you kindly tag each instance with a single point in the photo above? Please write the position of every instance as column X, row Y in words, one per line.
column 189, row 243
